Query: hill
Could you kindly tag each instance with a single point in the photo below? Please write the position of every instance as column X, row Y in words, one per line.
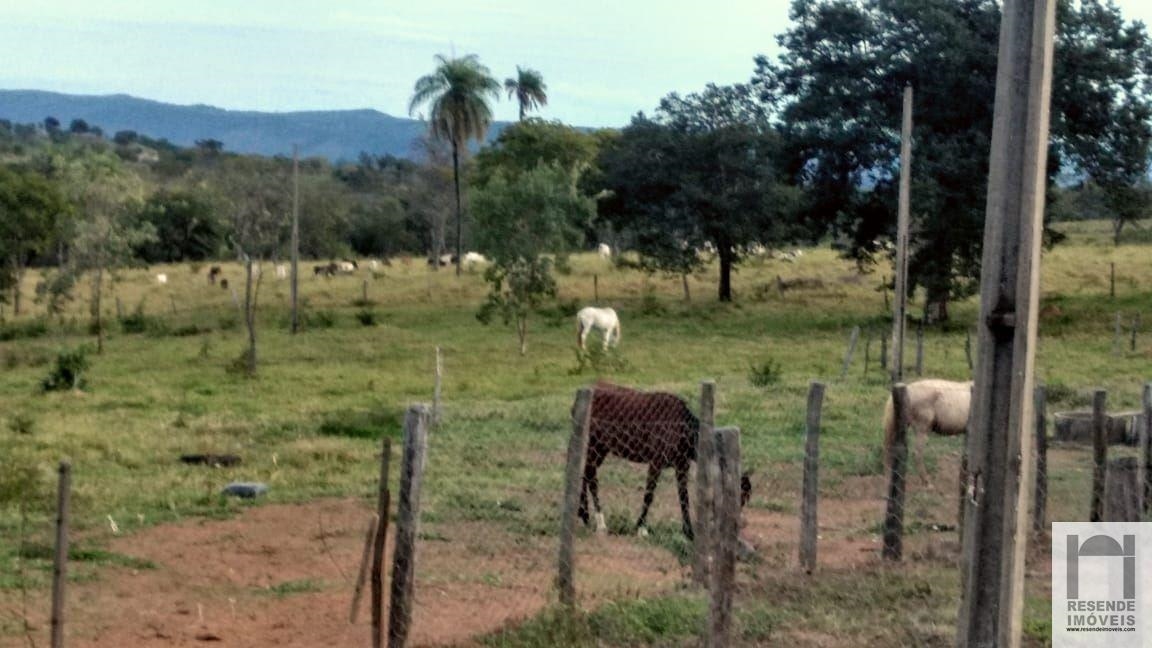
column 334, row 134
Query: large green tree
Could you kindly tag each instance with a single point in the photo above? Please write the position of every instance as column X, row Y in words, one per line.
column 31, row 208
column 529, row 90
column 704, row 172
column 187, row 227
column 457, row 95
column 837, row 90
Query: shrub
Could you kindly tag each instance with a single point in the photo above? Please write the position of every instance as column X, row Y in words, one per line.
column 320, row 319
column 21, row 423
column 68, row 372
column 367, row 317
column 19, row 330
column 765, row 374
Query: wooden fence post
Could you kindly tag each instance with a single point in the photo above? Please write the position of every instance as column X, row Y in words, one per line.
column 1099, row 455
column 119, row 309
column 1135, row 327
column 573, row 484
column 968, row 349
column 595, row 288
column 705, row 457
column 436, row 389
column 1112, row 281
column 898, row 458
column 726, row 529
column 884, row 353
column 867, row 352
column 852, row 340
column 903, row 218
column 1145, row 455
column 1040, row 495
column 383, row 506
column 1116, row 336
column 920, row 349
column 407, row 525
column 60, row 560
column 808, row 520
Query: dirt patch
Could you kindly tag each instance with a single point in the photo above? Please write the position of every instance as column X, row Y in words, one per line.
column 282, row 575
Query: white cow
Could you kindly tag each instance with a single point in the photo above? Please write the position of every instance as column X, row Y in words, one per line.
column 474, row 258
column 161, row 278
column 604, row 250
column 604, row 319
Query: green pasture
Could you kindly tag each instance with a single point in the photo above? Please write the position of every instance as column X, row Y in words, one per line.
column 309, row 424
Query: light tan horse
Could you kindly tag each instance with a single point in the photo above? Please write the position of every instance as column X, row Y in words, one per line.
column 934, row 405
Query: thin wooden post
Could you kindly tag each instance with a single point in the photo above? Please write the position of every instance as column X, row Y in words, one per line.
column 407, row 525
column 811, row 489
column 1112, row 281
column 596, row 288
column 898, row 458
column 60, row 559
column 119, row 309
column 867, row 352
column 884, row 353
column 362, row 573
column 436, row 389
column 1145, row 455
column 1135, row 327
column 1099, row 455
column 903, row 218
column 968, row 349
column 852, row 340
column 380, row 535
column 705, row 457
column 999, row 444
column 920, row 349
column 573, row 484
column 1116, row 336
column 727, row 529
column 295, row 238
column 1040, row 495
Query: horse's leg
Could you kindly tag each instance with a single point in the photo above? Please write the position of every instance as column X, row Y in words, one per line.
column 682, row 492
column 590, row 466
column 593, row 482
column 649, row 489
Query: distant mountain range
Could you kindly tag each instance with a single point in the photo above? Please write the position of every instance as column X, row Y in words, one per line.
column 334, row 134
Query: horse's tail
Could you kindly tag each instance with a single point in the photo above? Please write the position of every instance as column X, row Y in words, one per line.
column 889, row 431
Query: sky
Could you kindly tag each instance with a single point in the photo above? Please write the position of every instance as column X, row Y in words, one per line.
column 603, row 60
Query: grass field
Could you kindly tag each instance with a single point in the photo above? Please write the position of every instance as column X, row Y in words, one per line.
column 308, row 425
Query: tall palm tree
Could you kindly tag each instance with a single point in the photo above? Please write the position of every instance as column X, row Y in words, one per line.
column 528, row 88
column 457, row 97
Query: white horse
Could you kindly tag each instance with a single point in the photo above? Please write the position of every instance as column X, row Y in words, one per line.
column 604, row 319
column 604, row 250
column 934, row 405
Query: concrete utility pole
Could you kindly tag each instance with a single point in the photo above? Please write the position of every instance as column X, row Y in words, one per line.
column 996, row 520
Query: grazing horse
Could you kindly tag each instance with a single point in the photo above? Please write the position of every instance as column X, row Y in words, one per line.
column 604, row 319
column 653, row 428
column 934, row 405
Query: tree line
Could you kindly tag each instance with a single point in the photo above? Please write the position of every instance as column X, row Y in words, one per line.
column 806, row 150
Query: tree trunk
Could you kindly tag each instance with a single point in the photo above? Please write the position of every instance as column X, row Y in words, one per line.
column 18, row 276
column 459, row 208
column 249, row 317
column 724, row 250
column 522, row 332
column 687, row 293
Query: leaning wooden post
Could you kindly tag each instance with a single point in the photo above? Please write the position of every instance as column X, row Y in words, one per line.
column 383, row 506
column 1099, row 455
column 1040, row 495
column 60, row 560
column 705, row 457
column 903, row 218
column 808, row 520
column 726, row 529
column 996, row 522
column 852, row 340
column 573, row 485
column 366, row 560
column 1145, row 456
column 898, row 466
column 407, row 525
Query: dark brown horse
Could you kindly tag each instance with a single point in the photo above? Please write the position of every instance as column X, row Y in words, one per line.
column 653, row 428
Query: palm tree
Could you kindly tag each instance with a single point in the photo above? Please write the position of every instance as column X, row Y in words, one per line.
column 528, row 88
column 457, row 97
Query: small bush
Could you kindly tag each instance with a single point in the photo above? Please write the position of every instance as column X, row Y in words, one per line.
column 21, row 423
column 765, row 374
column 138, row 322
column 68, row 372
column 367, row 317
column 374, row 424
column 650, row 304
column 599, row 360
column 228, row 323
column 320, row 319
